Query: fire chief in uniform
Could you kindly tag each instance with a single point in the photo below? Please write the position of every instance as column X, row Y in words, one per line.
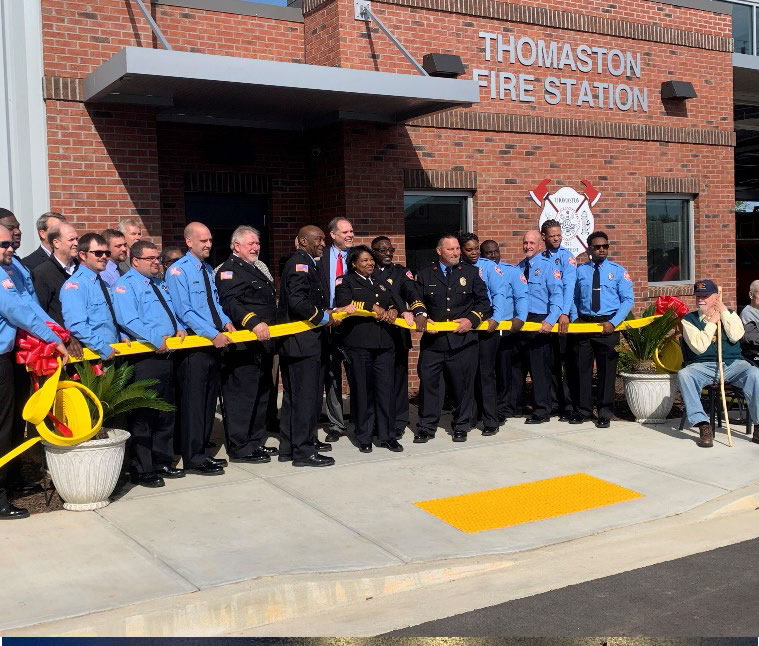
column 248, row 298
column 451, row 291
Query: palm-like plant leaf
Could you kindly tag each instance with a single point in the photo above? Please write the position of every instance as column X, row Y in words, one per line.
column 641, row 343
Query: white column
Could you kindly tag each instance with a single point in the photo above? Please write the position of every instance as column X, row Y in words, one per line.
column 24, row 185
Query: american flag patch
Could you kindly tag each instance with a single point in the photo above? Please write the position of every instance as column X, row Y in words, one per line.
column 71, row 286
column 522, row 278
column 175, row 271
column 226, row 275
column 119, row 290
column 498, row 270
column 409, row 275
column 301, row 267
column 8, row 283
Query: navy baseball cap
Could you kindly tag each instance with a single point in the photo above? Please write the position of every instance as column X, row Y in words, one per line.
column 705, row 288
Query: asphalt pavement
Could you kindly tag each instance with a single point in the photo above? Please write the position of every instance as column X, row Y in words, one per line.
column 713, row 594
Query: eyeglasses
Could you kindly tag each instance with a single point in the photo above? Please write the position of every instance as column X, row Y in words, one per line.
column 384, row 249
column 99, row 253
column 600, row 246
column 5, row 244
column 148, row 258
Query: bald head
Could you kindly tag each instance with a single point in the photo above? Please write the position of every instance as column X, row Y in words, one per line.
column 532, row 243
column 198, row 239
column 311, row 240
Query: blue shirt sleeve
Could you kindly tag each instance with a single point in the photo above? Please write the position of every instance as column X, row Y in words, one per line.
column 497, row 291
column 626, row 298
column 17, row 312
column 555, row 297
column 568, row 279
column 180, row 296
column 74, row 306
column 521, row 296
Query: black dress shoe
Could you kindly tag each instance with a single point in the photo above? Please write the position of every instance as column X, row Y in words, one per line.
column 421, row 437
column 210, row 444
column 459, row 436
column 315, row 460
column 285, row 457
column 399, row 434
column 602, row 422
column 11, row 512
column 256, row 457
column 563, row 418
column 149, row 479
column 207, row 468
column 576, row 418
column 489, row 431
column 333, row 436
column 166, row 471
column 534, row 419
column 219, row 461
column 365, row 448
column 392, row 445
column 322, row 446
column 270, row 450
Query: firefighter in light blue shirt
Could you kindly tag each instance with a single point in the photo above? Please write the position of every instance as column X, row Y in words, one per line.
column 86, row 301
column 515, row 310
column 563, row 260
column 193, row 294
column 144, row 309
column 604, row 295
column 544, row 306
column 485, row 390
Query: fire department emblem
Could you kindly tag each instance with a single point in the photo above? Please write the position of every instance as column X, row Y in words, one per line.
column 571, row 209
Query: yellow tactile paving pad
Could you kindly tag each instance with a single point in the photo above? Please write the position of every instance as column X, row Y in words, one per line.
column 526, row 503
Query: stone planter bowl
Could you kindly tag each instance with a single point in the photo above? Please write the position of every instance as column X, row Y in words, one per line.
column 650, row 396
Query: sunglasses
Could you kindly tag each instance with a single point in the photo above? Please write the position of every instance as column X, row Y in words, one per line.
column 5, row 244
column 600, row 246
column 99, row 253
column 384, row 250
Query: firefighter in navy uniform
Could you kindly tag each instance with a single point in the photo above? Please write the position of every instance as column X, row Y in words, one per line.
column 404, row 286
column 304, row 296
column 249, row 299
column 451, row 291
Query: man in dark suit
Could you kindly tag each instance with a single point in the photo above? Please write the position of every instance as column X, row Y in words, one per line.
column 248, row 298
column 50, row 275
column 451, row 291
column 304, row 296
column 46, row 224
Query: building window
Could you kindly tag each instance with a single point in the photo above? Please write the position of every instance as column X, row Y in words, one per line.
column 743, row 26
column 669, row 228
column 430, row 214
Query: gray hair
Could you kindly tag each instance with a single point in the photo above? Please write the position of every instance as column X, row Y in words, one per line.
column 134, row 222
column 753, row 287
column 239, row 232
column 42, row 221
column 332, row 226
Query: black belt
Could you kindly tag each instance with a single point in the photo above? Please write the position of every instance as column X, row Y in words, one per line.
column 597, row 319
column 532, row 317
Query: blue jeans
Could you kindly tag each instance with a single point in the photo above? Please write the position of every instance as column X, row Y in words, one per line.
column 694, row 377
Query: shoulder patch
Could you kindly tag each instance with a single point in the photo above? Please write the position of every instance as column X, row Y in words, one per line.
column 175, row 271
column 627, row 277
column 557, row 274
column 8, row 283
column 572, row 261
column 481, row 276
column 226, row 275
column 498, row 270
column 119, row 289
column 522, row 278
column 409, row 275
column 301, row 268
column 70, row 285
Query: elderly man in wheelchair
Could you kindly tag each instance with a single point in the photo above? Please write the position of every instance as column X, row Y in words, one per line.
column 700, row 367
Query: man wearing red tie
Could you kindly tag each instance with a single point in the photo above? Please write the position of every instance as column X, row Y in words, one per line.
column 333, row 265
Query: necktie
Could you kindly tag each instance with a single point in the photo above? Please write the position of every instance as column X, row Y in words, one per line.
column 108, row 301
column 448, row 274
column 211, row 305
column 595, row 299
column 527, row 269
column 339, row 269
column 165, row 305
column 120, row 270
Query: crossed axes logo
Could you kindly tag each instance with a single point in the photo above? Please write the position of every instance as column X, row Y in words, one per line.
column 571, row 209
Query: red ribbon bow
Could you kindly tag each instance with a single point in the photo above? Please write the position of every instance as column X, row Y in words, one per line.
column 39, row 357
column 664, row 303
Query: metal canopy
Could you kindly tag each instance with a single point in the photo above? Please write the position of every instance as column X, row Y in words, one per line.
column 242, row 91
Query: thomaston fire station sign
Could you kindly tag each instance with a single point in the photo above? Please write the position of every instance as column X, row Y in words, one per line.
column 609, row 92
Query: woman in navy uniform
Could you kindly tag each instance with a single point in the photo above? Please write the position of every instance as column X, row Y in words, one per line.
column 370, row 348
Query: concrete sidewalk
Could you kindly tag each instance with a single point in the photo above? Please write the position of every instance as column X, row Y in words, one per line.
column 270, row 542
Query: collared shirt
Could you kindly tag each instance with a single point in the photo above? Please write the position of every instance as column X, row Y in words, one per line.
column 86, row 312
column 22, row 285
column 496, row 284
column 516, row 292
column 544, row 291
column 16, row 314
column 49, row 252
column 188, row 293
column 333, row 251
column 700, row 340
column 565, row 262
column 617, row 296
column 110, row 274
column 138, row 309
column 69, row 269
column 26, row 276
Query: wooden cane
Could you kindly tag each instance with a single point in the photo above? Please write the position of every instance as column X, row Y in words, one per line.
column 722, row 374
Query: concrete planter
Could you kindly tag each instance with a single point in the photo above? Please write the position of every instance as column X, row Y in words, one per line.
column 85, row 475
column 650, row 397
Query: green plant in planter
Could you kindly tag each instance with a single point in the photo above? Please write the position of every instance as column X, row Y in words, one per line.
column 117, row 393
column 637, row 350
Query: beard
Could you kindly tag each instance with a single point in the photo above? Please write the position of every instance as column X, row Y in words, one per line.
column 703, row 309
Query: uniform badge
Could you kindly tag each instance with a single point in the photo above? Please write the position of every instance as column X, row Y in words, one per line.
column 226, row 275
column 557, row 274
column 627, row 277
column 557, row 261
column 8, row 283
column 301, row 268
column 462, row 280
column 522, row 278
column 409, row 275
column 498, row 270
column 71, row 286
column 611, row 276
column 536, row 272
column 175, row 271
column 119, row 289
